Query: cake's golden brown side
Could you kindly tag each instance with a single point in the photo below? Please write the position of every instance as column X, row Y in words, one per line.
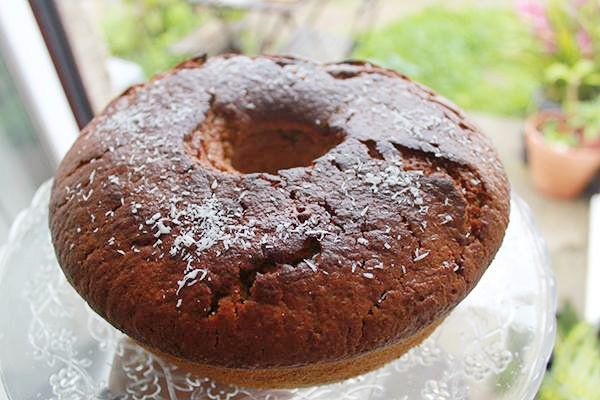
column 263, row 213
column 320, row 373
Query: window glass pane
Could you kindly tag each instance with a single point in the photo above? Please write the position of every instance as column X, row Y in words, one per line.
column 24, row 164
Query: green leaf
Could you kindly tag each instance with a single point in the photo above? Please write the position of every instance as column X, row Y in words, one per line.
column 558, row 72
column 582, row 68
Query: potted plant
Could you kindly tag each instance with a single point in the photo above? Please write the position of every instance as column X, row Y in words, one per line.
column 564, row 148
column 563, row 143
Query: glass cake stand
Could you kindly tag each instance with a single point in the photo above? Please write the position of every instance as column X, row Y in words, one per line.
column 494, row 345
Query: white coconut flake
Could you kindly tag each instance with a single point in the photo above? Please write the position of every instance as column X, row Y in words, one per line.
column 87, row 196
column 368, row 275
column 153, row 219
column 161, row 228
column 420, row 255
column 318, row 232
column 135, row 207
column 363, row 241
column 191, row 278
column 311, row 264
column 445, row 218
column 114, row 179
column 373, row 180
column 184, row 239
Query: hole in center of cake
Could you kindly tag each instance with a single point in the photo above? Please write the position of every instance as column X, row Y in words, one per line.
column 260, row 146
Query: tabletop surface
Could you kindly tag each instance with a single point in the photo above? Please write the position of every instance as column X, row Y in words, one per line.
column 493, row 346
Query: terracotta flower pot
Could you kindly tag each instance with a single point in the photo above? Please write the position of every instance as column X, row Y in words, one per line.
column 558, row 171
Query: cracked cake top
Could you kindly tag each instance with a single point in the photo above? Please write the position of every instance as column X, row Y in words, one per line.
column 262, row 212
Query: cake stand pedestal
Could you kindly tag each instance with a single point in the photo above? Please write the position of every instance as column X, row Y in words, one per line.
column 493, row 346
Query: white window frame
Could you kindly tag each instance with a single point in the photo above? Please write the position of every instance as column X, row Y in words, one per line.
column 31, row 67
column 592, row 297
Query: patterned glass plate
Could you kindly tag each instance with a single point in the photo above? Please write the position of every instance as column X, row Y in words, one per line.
column 495, row 344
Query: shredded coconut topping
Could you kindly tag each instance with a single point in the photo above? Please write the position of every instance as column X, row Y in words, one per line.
column 191, row 278
column 311, row 264
column 420, row 255
column 188, row 229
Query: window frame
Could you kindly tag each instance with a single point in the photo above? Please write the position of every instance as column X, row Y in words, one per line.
column 31, row 67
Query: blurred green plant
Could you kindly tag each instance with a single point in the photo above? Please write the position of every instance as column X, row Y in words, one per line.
column 555, row 133
column 142, row 31
column 586, row 117
column 575, row 369
column 577, row 125
column 569, row 34
column 481, row 58
column 570, row 83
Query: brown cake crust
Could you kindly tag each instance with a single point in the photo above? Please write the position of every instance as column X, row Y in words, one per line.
column 269, row 212
column 305, row 375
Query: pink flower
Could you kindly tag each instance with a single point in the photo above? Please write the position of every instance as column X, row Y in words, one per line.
column 531, row 9
column 535, row 14
column 584, row 41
